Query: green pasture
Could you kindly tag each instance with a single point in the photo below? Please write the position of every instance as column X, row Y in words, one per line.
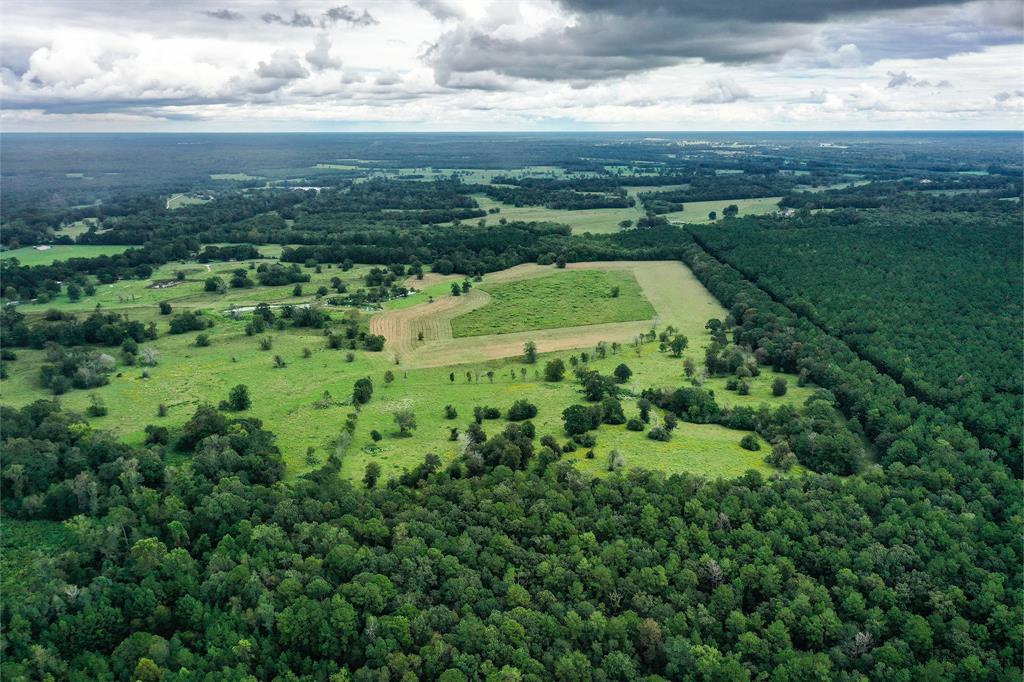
column 28, row 255
column 697, row 211
column 595, row 220
column 570, row 298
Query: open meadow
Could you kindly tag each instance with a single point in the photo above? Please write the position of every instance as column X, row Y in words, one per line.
column 29, row 255
column 305, row 401
column 697, row 212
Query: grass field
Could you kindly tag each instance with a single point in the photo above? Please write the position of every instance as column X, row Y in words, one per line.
column 27, row 255
column 595, row 220
column 181, row 200
column 140, row 297
column 676, row 295
column 569, row 299
column 697, row 211
column 235, row 176
column 286, row 399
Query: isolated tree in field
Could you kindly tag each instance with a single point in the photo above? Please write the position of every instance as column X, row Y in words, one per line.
column 450, row 412
column 713, row 215
column 522, row 409
column 616, row 460
column 779, row 387
column 622, row 373
column 678, row 344
column 362, row 391
column 74, row 292
column 297, row 290
column 625, row 224
column 214, row 284
column 554, row 370
column 530, row 352
column 689, row 367
column 466, row 286
column 456, row 291
column 750, row 442
column 730, row 211
column 238, row 398
column 614, row 292
column 405, row 420
column 371, row 475
column 560, row 263
column 389, row 376
column 451, row 377
column 165, row 308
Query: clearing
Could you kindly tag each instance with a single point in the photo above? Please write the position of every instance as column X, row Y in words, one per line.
column 29, row 255
column 668, row 286
column 696, row 212
column 567, row 299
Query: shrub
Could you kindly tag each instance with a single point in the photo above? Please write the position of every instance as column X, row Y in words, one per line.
column 659, row 433
column 750, row 442
column 202, row 340
column 238, row 398
column 450, row 412
column 635, row 424
column 96, row 408
column 586, row 440
column 779, row 387
column 522, row 409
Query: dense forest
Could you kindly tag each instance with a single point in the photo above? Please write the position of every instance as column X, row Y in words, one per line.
column 885, row 544
column 949, row 327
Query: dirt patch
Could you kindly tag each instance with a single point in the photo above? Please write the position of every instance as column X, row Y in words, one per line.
column 402, row 328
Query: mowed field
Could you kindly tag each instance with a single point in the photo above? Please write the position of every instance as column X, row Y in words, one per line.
column 675, row 295
column 568, row 299
column 29, row 256
column 697, row 211
column 306, row 402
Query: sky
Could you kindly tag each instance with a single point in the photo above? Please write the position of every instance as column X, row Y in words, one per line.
column 515, row 65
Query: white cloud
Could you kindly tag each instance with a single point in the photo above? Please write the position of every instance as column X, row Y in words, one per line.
column 721, row 91
column 486, row 65
column 320, row 57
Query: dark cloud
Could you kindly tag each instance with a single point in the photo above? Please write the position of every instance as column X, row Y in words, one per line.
column 611, row 39
column 223, row 14
column 332, row 16
column 904, row 79
column 764, row 11
column 350, row 16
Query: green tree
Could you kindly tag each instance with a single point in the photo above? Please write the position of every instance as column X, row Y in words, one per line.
column 554, row 370
column 405, row 420
column 622, row 373
column 371, row 475
column 529, row 352
column 362, row 391
column 238, row 398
